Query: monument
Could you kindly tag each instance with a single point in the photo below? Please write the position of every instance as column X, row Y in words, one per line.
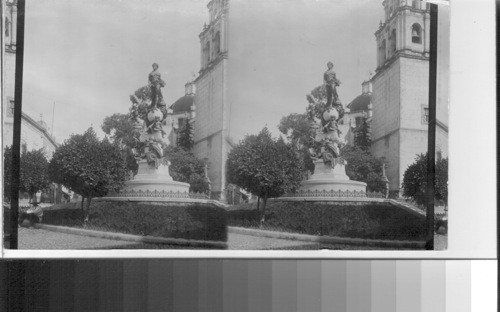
column 154, row 124
column 329, row 166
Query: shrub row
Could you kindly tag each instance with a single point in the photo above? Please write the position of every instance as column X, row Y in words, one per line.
column 355, row 220
column 193, row 221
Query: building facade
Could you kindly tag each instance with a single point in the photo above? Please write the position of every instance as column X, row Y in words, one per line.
column 34, row 133
column 356, row 112
column 211, row 133
column 401, row 89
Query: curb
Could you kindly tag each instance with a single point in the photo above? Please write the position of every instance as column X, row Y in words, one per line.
column 132, row 238
column 327, row 239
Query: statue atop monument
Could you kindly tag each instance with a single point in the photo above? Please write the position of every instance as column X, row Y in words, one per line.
column 331, row 83
column 155, row 84
column 153, row 121
column 324, row 117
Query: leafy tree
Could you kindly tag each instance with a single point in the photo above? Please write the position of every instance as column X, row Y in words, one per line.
column 264, row 166
column 7, row 172
column 363, row 166
column 415, row 180
column 33, row 173
column 119, row 129
column 362, row 137
column 89, row 167
column 300, row 134
column 185, row 139
column 185, row 167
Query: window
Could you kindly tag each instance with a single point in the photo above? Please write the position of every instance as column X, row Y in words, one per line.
column 382, row 52
column 207, row 51
column 416, row 33
column 359, row 121
column 217, row 43
column 415, row 4
column 393, row 41
column 10, row 109
column 7, row 30
column 425, row 115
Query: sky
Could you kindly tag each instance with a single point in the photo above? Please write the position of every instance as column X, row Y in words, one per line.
column 87, row 57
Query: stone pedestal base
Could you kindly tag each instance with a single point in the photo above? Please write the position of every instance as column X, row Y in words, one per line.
column 152, row 179
column 330, row 179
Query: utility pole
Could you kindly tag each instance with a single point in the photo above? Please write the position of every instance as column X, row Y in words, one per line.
column 431, row 141
column 16, row 140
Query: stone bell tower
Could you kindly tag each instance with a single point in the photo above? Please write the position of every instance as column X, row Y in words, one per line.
column 211, row 140
column 401, row 87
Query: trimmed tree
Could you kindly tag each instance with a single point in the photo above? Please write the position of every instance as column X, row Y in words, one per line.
column 362, row 137
column 89, row 167
column 363, row 166
column 415, row 180
column 119, row 129
column 33, row 175
column 264, row 166
column 185, row 167
column 185, row 139
column 300, row 134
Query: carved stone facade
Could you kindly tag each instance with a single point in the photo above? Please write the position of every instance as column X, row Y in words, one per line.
column 211, row 141
column 401, row 89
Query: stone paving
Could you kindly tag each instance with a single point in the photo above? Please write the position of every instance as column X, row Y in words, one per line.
column 42, row 239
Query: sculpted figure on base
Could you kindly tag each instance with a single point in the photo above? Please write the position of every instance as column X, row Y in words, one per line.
column 156, row 83
column 153, row 122
column 324, row 118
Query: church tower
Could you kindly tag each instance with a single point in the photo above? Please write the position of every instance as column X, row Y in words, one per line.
column 211, row 141
column 401, row 87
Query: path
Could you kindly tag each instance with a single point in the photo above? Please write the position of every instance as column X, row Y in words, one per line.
column 43, row 239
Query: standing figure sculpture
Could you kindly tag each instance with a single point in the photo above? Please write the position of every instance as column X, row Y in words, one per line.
column 156, row 83
column 331, row 83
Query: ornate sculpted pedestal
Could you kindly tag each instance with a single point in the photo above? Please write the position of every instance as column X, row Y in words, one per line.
column 151, row 179
column 332, row 180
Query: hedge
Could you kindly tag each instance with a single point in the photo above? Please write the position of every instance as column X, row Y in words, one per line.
column 355, row 220
column 188, row 221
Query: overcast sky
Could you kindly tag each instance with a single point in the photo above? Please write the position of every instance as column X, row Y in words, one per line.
column 87, row 57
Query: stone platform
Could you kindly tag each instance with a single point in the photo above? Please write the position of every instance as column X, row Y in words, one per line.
column 331, row 180
column 149, row 179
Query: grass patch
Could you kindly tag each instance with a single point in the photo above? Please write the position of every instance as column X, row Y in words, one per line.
column 189, row 221
column 355, row 220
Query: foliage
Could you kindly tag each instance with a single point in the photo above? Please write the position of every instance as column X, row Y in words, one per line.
column 185, row 139
column 363, row 166
column 33, row 173
column 415, row 180
column 300, row 134
column 7, row 172
column 192, row 221
column 89, row 167
column 264, row 166
column 185, row 167
column 355, row 220
column 362, row 137
column 120, row 129
column 141, row 99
